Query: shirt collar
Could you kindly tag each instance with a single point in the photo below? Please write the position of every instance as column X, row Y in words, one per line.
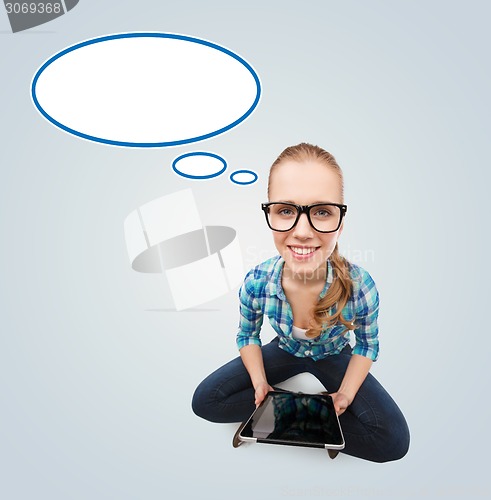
column 274, row 285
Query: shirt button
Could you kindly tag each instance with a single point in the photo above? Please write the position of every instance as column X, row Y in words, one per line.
column 308, row 353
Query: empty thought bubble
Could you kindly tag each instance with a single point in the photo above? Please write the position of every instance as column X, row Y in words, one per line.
column 243, row 177
column 146, row 89
column 199, row 165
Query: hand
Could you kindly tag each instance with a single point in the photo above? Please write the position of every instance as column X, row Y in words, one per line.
column 260, row 392
column 341, row 402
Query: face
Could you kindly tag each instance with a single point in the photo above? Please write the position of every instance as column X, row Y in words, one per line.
column 304, row 184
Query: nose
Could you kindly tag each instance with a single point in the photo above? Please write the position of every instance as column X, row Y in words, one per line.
column 303, row 229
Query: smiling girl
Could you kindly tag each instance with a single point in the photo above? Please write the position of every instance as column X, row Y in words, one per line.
column 313, row 298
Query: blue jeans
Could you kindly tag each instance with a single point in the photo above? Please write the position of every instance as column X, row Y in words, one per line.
column 373, row 426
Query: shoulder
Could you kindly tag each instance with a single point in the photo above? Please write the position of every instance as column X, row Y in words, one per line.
column 266, row 269
column 361, row 278
column 261, row 274
column 365, row 294
column 358, row 273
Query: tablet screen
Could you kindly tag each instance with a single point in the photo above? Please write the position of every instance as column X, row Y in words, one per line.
column 290, row 418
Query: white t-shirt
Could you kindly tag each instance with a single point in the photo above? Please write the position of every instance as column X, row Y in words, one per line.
column 299, row 333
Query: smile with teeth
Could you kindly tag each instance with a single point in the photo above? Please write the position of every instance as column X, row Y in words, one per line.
column 303, row 251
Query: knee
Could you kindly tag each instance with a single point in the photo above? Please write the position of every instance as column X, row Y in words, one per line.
column 394, row 442
column 201, row 402
column 208, row 401
column 397, row 450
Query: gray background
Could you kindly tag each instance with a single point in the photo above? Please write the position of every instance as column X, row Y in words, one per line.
column 97, row 370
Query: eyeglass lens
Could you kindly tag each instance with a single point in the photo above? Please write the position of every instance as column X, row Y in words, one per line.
column 324, row 217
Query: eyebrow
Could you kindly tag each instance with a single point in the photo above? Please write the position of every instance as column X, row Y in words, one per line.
column 313, row 203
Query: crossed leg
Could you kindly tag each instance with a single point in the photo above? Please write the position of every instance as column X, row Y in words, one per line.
column 373, row 425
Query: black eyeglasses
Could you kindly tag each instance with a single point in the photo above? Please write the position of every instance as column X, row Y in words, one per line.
column 323, row 217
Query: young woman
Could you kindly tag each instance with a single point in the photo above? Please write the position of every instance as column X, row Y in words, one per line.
column 313, row 298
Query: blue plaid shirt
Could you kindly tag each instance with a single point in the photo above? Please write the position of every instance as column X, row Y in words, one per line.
column 261, row 293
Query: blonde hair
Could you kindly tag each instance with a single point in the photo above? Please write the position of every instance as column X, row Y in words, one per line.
column 341, row 287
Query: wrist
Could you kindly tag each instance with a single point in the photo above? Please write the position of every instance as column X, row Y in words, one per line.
column 347, row 394
column 259, row 382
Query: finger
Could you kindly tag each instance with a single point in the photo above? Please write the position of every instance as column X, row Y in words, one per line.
column 341, row 411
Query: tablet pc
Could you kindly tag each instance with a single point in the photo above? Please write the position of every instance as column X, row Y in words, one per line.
column 295, row 419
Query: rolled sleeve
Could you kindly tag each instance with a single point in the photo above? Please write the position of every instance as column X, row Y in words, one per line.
column 251, row 315
column 366, row 326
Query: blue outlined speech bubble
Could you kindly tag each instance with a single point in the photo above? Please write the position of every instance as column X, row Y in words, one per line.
column 146, row 89
column 199, row 165
column 243, row 177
